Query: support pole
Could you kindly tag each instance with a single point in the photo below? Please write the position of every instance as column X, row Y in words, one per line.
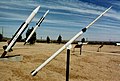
column 67, row 64
column 81, row 49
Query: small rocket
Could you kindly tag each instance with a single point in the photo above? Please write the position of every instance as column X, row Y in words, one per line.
column 37, row 25
column 34, row 72
column 20, row 31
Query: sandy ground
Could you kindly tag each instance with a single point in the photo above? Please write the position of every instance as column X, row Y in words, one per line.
column 90, row 66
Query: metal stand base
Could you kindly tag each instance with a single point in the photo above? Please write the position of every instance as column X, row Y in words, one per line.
column 16, row 58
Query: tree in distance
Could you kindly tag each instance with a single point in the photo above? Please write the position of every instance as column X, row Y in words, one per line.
column 33, row 37
column 19, row 38
column 83, row 40
column 48, row 39
column 1, row 37
column 59, row 40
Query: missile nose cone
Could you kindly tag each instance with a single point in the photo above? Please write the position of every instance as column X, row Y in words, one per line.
column 36, row 10
column 110, row 7
column 47, row 11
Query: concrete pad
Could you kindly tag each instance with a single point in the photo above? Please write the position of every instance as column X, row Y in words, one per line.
column 15, row 58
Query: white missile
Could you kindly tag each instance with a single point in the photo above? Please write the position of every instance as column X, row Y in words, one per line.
column 37, row 25
column 34, row 72
column 20, row 31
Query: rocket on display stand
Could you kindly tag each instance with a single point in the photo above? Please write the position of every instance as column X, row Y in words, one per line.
column 37, row 25
column 34, row 72
column 20, row 31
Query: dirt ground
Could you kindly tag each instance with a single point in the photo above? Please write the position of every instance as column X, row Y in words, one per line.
column 90, row 66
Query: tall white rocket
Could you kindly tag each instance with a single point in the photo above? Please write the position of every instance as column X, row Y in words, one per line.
column 37, row 25
column 34, row 72
column 20, row 31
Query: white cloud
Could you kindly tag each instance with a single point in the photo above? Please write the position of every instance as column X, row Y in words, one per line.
column 82, row 13
column 116, row 3
column 18, row 4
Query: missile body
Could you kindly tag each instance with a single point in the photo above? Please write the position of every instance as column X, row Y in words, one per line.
column 37, row 25
column 20, row 31
column 34, row 72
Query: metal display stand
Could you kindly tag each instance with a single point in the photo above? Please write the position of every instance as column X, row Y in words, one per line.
column 68, row 62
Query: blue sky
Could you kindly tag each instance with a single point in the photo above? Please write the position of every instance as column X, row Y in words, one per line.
column 66, row 17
